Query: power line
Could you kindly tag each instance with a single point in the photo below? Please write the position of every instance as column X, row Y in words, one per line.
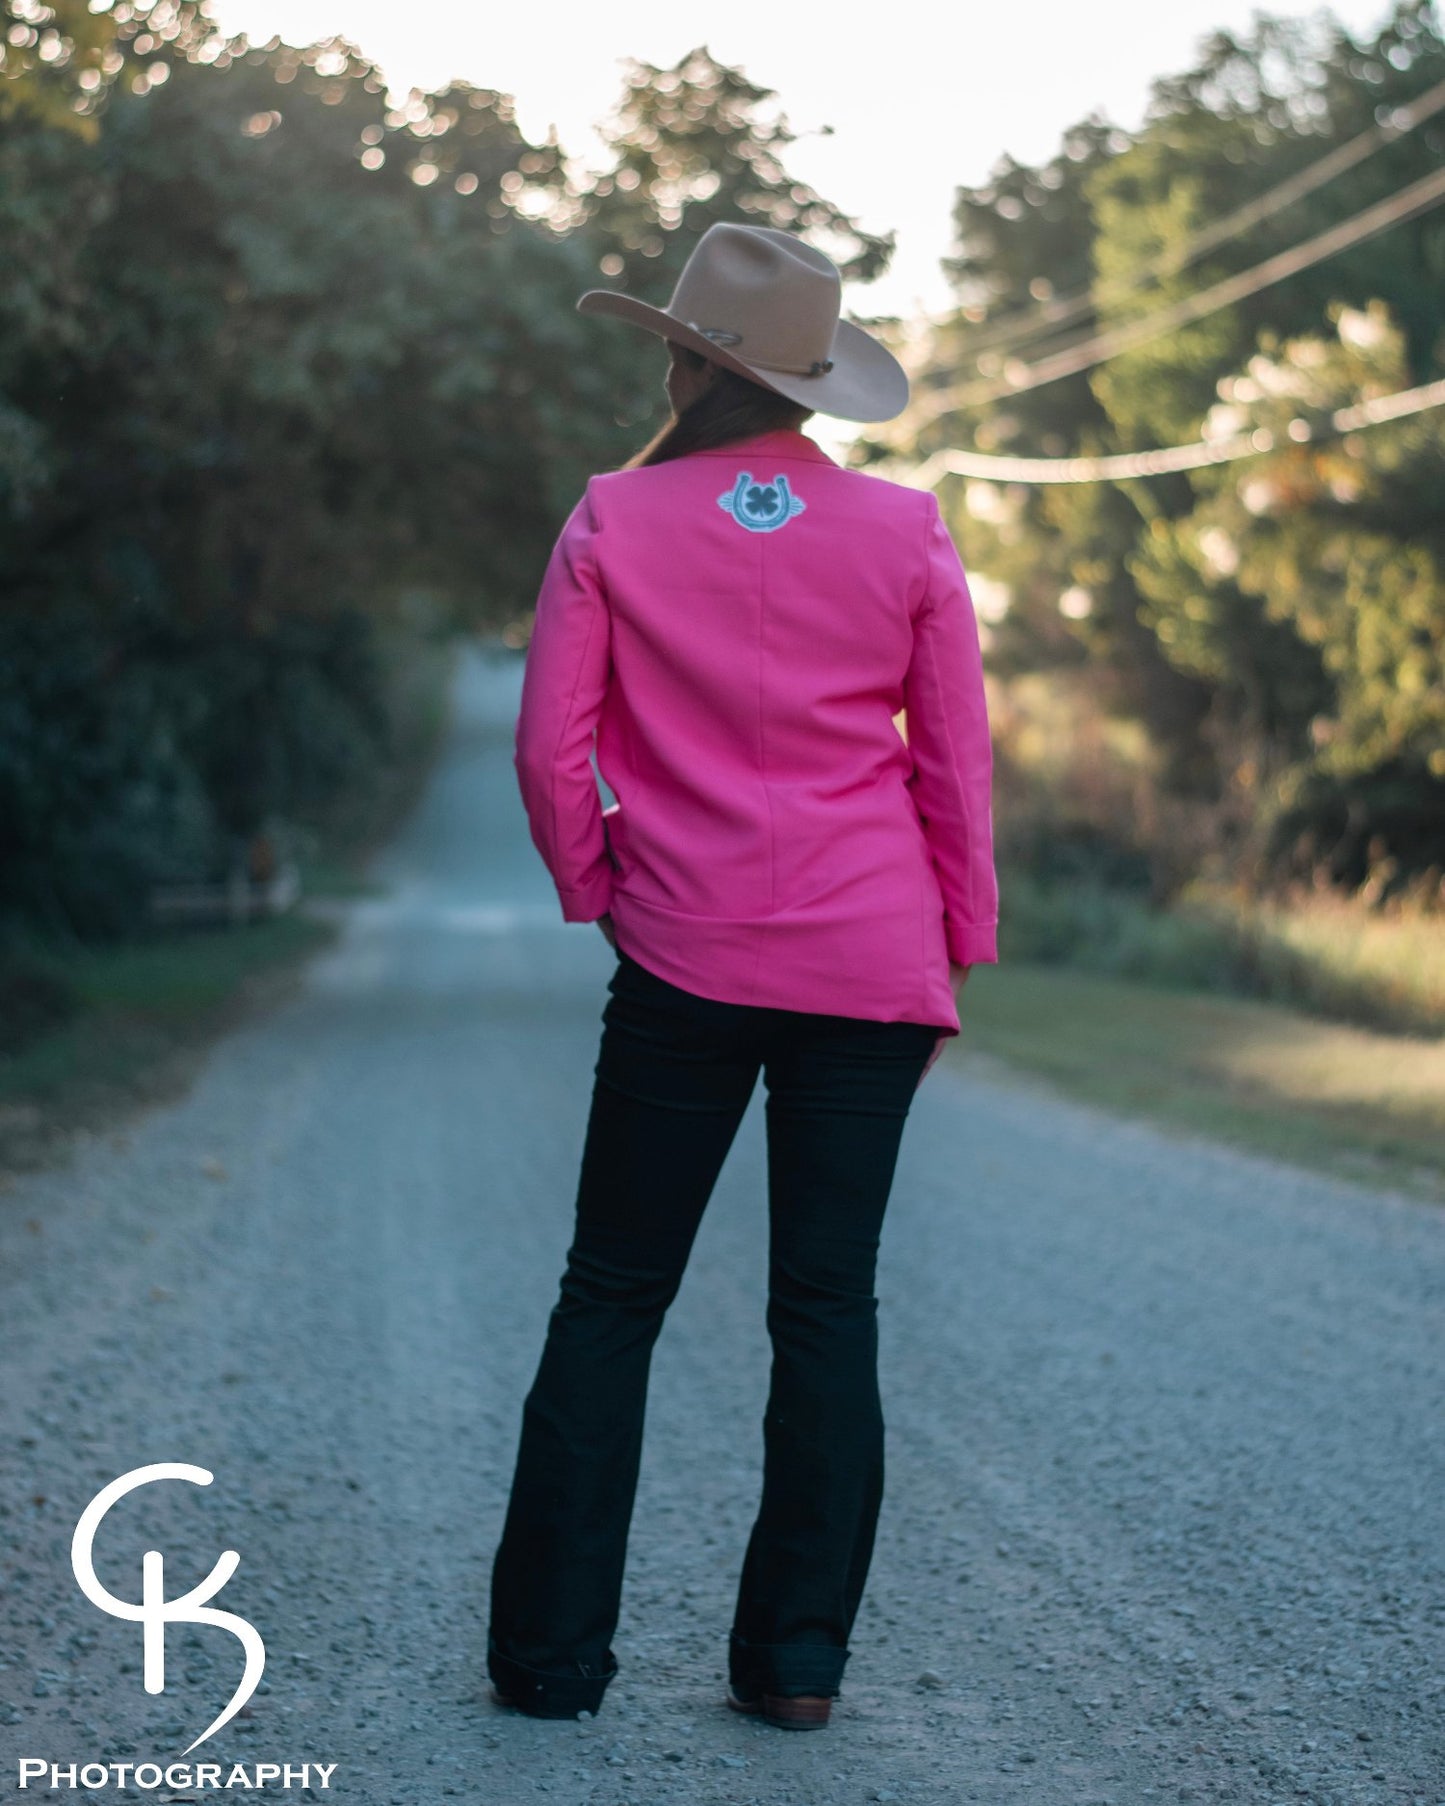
column 1418, row 197
column 1017, row 329
column 1195, row 456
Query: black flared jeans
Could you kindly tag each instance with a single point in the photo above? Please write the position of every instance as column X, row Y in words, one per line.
column 673, row 1078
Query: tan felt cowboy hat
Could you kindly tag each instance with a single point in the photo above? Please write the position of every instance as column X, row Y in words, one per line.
column 765, row 304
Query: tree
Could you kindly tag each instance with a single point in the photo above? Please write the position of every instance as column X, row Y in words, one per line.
column 59, row 60
column 1226, row 672
column 1308, row 587
column 275, row 357
column 695, row 144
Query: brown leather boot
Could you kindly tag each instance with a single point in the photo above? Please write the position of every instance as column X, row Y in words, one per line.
column 807, row 1712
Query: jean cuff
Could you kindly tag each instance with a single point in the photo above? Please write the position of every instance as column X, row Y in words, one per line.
column 550, row 1692
column 789, row 1670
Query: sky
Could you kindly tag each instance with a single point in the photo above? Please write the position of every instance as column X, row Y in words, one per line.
column 922, row 96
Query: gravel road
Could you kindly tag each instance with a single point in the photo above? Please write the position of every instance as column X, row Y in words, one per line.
column 1165, row 1515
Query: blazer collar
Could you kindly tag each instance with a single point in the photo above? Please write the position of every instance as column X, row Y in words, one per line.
column 780, row 442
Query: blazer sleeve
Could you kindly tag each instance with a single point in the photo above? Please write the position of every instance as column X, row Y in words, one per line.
column 563, row 686
column 948, row 736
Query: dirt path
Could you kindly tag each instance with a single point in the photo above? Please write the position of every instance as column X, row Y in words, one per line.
column 1166, row 1495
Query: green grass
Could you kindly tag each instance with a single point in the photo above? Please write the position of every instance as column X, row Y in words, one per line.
column 95, row 1032
column 324, row 874
column 1333, row 957
column 190, row 971
column 1351, row 1101
column 139, row 1016
column 1337, row 956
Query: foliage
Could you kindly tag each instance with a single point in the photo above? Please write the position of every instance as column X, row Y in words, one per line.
column 698, row 143
column 281, row 360
column 1326, row 556
column 1277, row 624
column 60, row 59
column 688, row 146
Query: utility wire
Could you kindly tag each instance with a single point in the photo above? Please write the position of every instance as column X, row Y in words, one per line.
column 1195, row 456
column 1418, row 197
column 1017, row 329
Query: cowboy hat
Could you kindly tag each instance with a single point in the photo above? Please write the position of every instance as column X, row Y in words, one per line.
column 763, row 303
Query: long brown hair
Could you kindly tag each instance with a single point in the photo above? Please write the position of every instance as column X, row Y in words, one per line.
column 733, row 407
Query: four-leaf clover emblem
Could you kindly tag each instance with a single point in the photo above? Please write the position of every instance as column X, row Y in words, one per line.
column 761, row 507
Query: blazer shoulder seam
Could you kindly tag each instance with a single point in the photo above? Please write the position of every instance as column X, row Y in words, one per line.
column 930, row 514
column 589, row 496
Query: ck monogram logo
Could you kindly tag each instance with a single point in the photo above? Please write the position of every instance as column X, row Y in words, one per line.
column 155, row 1611
column 761, row 507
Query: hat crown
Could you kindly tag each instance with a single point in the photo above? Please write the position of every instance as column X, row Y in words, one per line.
column 763, row 294
column 767, row 306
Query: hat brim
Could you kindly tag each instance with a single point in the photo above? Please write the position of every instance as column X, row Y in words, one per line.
column 866, row 382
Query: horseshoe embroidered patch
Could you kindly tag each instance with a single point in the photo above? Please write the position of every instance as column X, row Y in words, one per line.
column 761, row 507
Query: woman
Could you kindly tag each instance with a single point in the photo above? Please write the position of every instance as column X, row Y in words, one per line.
column 790, row 889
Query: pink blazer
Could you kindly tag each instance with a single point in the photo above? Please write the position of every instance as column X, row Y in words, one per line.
column 739, row 628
